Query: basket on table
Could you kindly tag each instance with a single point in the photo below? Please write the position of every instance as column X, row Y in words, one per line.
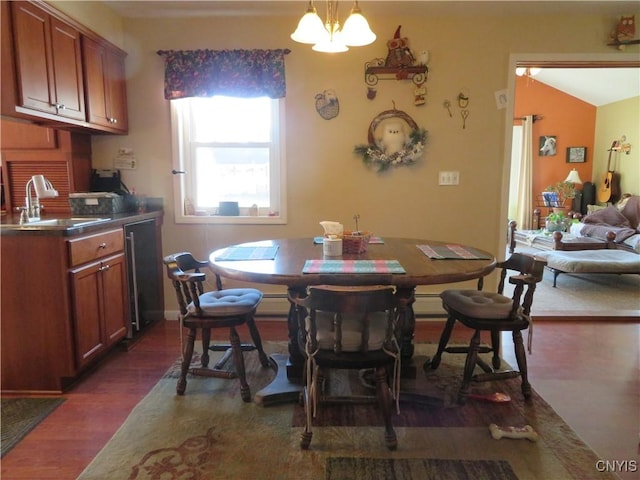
column 355, row 242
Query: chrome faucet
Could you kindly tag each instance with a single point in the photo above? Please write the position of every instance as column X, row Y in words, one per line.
column 43, row 189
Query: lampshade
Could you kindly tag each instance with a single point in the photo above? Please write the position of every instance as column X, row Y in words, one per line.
column 331, row 44
column 356, row 31
column 573, row 177
column 310, row 27
column 327, row 36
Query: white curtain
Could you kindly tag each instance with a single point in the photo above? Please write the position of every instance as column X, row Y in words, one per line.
column 524, row 204
column 514, row 176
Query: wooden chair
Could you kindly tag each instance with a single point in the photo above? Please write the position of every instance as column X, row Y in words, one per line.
column 496, row 313
column 206, row 311
column 348, row 328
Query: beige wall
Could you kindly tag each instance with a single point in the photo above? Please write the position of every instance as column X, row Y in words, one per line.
column 612, row 122
column 96, row 16
column 326, row 181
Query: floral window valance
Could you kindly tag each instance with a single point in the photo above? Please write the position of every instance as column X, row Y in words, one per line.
column 235, row 73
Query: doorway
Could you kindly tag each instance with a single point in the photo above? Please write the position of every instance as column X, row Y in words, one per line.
column 576, row 63
column 572, row 62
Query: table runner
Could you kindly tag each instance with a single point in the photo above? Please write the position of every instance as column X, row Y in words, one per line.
column 452, row 252
column 352, row 266
column 248, row 253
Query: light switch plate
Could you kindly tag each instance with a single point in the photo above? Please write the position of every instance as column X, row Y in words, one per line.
column 449, row 178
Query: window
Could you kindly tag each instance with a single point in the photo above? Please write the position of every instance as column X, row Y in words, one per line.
column 230, row 150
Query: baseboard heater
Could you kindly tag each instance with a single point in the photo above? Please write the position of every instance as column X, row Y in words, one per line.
column 427, row 305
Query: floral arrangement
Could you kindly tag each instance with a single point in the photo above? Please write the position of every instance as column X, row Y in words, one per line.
column 373, row 155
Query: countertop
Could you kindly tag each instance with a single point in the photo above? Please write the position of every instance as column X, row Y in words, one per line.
column 10, row 224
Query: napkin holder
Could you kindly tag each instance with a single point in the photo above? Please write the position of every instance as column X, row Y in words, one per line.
column 355, row 242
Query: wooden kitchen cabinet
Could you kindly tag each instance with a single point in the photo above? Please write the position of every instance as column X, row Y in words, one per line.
column 105, row 85
column 99, row 310
column 37, row 338
column 64, row 304
column 66, row 297
column 58, row 73
column 48, row 63
column 98, row 292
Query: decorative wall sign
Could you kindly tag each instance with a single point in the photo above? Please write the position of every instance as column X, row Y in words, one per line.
column 394, row 140
column 400, row 64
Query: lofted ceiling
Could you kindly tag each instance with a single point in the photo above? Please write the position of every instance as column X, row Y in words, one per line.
column 597, row 86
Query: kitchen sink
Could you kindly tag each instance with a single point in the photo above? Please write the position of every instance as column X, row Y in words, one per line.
column 65, row 222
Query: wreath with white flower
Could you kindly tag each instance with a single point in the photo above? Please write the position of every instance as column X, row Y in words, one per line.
column 394, row 140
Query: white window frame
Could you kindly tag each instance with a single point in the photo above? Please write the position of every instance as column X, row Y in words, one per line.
column 181, row 180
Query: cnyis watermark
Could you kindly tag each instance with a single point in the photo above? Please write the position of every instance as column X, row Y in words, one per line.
column 617, row 465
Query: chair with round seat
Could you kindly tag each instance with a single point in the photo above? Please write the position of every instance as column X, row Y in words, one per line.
column 348, row 328
column 206, row 311
column 495, row 313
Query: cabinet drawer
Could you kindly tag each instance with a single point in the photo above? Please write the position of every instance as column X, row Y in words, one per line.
column 86, row 249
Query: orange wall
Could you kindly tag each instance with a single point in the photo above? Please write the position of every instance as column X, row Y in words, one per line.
column 571, row 120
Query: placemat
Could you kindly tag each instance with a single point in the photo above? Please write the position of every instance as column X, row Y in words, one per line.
column 248, row 253
column 451, row 252
column 378, row 240
column 352, row 266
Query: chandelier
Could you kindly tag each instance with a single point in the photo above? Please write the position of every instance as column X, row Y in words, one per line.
column 328, row 37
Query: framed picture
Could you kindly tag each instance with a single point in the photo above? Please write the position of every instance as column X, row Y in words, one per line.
column 576, row 154
column 547, row 145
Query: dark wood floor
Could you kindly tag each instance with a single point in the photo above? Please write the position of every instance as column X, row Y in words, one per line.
column 588, row 371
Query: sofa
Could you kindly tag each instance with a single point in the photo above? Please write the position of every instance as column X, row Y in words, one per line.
column 611, row 226
column 606, row 240
column 623, row 219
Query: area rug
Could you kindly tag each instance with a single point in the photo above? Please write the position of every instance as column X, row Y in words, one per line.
column 20, row 416
column 210, row 433
column 350, row 468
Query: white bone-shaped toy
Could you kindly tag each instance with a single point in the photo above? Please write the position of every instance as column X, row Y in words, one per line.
column 513, row 432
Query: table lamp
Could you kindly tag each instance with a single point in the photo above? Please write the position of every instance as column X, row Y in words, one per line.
column 575, row 179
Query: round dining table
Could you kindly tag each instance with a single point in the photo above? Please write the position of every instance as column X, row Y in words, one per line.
column 299, row 263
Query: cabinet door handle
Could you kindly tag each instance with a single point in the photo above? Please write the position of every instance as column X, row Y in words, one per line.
column 102, row 245
column 104, row 268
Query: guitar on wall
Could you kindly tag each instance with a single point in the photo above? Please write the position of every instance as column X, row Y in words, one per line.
column 610, row 189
